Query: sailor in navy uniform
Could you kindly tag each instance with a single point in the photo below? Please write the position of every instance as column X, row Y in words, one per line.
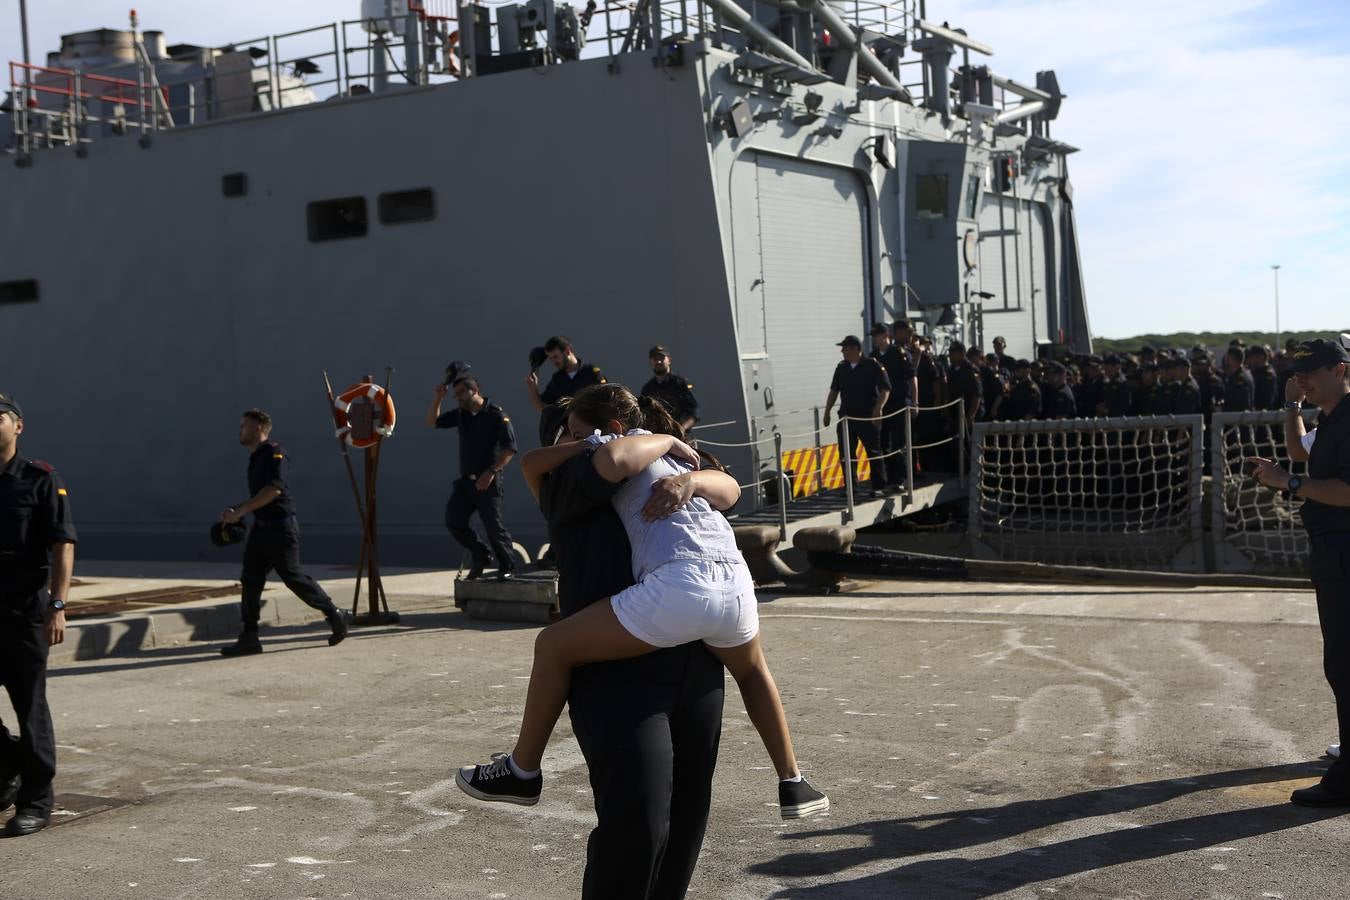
column 674, row 392
column 571, row 376
column 37, row 554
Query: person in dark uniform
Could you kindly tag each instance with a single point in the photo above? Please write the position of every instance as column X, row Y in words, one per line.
column 571, row 376
column 1004, row 360
column 1210, row 382
column 1115, row 399
column 1264, row 382
column 487, row 442
column 649, row 727
column 864, row 388
column 673, row 391
column 1024, row 396
column 1183, row 394
column 995, row 380
column 1239, row 390
column 904, row 387
column 1059, row 401
column 274, row 540
column 1147, row 397
column 1088, row 393
column 1322, row 370
column 37, row 556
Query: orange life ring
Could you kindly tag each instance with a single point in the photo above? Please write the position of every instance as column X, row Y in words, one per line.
column 361, row 430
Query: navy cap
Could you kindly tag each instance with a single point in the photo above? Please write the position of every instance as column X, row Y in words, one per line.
column 1021, row 364
column 8, row 405
column 1317, row 354
column 1199, row 353
column 878, row 328
column 1110, row 359
column 1094, row 360
column 657, row 351
column 224, row 534
column 456, row 370
column 957, row 346
column 850, row 341
column 1058, row 368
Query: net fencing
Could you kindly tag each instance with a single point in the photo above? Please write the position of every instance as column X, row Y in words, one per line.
column 1121, row 493
column 1255, row 529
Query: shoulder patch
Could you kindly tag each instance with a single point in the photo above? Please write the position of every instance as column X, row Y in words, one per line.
column 505, row 417
column 689, row 384
column 278, row 455
column 62, row 492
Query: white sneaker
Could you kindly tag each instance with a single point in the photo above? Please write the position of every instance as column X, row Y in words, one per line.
column 1334, row 751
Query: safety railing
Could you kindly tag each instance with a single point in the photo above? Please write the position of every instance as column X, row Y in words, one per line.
column 837, row 470
column 65, row 102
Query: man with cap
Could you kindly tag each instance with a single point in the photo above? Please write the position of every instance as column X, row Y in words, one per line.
column 1322, row 377
column 1024, row 396
column 904, row 389
column 994, row 380
column 1209, row 381
column 1263, row 378
column 676, row 394
column 571, row 376
column 1182, row 394
column 274, row 540
column 1059, row 402
column 1088, row 393
column 487, row 442
column 963, row 382
column 864, row 388
column 1004, row 360
column 37, row 556
column 1239, row 389
column 1114, row 400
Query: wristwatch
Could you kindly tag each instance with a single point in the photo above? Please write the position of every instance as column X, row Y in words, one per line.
column 58, row 604
column 1295, row 483
column 1293, row 406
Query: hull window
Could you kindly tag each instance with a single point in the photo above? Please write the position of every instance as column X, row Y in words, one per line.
column 333, row 220
column 25, row 291
column 408, row 206
column 234, row 184
column 930, row 197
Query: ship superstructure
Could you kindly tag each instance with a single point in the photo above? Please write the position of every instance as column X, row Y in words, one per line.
column 191, row 231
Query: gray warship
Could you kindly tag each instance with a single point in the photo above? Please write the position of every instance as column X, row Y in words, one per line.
column 190, row 231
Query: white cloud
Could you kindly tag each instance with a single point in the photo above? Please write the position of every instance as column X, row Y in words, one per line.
column 1213, row 137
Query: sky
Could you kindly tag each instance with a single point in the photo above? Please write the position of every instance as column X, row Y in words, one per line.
column 1213, row 139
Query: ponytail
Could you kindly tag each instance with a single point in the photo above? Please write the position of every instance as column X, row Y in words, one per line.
column 657, row 419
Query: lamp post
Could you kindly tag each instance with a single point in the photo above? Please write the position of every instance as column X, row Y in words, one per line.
column 1276, row 270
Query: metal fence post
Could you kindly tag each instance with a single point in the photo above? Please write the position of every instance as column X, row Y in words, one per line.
column 754, row 464
column 961, row 439
column 819, row 474
column 784, row 488
column 846, row 453
column 909, row 455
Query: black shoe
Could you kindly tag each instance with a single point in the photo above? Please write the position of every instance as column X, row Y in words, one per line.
column 25, row 823
column 8, row 791
column 496, row 782
column 1320, row 795
column 247, row 645
column 475, row 571
column 338, row 622
column 797, row 799
column 504, row 575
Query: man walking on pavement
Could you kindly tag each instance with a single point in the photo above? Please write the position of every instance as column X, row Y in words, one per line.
column 37, row 555
column 274, row 540
column 487, row 442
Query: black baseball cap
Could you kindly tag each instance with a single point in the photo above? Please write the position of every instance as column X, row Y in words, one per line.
column 224, row 534
column 456, row 370
column 1110, row 359
column 850, row 341
column 1021, row 364
column 1317, row 354
column 878, row 328
column 8, row 405
column 956, row 346
column 657, row 351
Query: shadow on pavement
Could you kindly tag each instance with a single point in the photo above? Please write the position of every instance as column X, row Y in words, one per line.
column 275, row 638
column 949, row 832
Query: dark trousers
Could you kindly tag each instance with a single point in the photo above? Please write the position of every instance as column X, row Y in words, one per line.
column 891, row 436
column 1329, row 565
column 277, row 547
column 23, row 670
column 649, row 729
column 865, row 432
column 465, row 500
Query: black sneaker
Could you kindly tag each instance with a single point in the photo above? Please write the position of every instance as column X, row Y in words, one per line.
column 797, row 799
column 496, row 782
column 247, row 645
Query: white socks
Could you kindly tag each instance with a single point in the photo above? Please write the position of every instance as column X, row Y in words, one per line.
column 518, row 771
column 794, row 780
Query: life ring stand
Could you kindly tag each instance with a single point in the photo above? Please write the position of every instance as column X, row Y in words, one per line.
column 364, row 415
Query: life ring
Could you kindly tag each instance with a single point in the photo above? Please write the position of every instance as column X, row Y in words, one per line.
column 362, row 430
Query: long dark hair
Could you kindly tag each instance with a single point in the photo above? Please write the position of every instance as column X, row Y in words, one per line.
column 600, row 404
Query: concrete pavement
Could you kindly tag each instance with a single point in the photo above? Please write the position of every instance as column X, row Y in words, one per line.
column 977, row 740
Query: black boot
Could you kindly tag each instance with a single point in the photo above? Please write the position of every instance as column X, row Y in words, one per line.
column 476, row 570
column 246, row 645
column 25, row 823
column 338, row 622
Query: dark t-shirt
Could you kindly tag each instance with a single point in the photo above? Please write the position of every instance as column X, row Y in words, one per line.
column 34, row 514
column 1239, row 391
column 482, row 437
column 676, row 393
column 1330, row 458
column 859, row 386
column 564, row 385
column 900, row 373
column 270, row 466
column 1263, row 380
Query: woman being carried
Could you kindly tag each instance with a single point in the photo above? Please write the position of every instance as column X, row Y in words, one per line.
column 693, row 584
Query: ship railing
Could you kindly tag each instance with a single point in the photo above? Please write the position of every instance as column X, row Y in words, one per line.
column 813, row 463
column 56, row 107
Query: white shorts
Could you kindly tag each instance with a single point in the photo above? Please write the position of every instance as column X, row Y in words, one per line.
column 691, row 600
